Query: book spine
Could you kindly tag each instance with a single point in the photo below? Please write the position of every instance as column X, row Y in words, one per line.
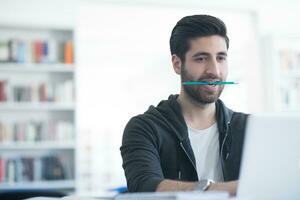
column 1, row 170
column 20, row 54
column 36, row 131
column 3, row 90
column 12, row 50
column 68, row 52
column 53, row 52
column 4, row 51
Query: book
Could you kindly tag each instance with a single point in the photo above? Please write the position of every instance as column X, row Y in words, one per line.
column 36, row 131
column 27, row 173
column 52, row 51
column 3, row 90
column 18, row 168
column 52, row 169
column 2, row 168
column 36, row 51
column 37, row 166
column 45, row 52
column 4, row 51
column 20, row 52
column 10, row 171
column 68, row 52
column 42, row 92
column 12, row 44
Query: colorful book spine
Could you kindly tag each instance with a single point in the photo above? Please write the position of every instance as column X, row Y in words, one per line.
column 36, row 51
column 68, row 52
column 4, row 51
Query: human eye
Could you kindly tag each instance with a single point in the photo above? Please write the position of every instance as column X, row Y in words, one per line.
column 201, row 59
column 221, row 58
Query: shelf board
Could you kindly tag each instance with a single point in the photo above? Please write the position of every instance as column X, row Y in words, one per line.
column 60, row 184
column 36, row 145
column 36, row 106
column 33, row 67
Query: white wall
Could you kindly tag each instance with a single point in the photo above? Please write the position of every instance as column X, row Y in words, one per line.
column 38, row 13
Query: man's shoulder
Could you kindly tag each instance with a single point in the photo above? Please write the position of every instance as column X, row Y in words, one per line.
column 237, row 114
column 239, row 121
column 141, row 121
column 137, row 120
column 143, row 117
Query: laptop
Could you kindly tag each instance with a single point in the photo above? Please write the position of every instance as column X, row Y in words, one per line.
column 270, row 167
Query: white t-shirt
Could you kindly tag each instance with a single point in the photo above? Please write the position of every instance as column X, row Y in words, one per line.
column 205, row 144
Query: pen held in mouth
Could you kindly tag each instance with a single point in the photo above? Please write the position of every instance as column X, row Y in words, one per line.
column 209, row 83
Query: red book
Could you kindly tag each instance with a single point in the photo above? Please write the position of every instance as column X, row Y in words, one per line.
column 38, row 51
column 1, row 170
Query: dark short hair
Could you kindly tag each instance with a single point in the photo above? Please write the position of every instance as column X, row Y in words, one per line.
column 194, row 26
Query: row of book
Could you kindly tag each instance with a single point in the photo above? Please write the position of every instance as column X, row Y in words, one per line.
column 34, row 131
column 290, row 95
column 289, row 60
column 15, row 169
column 40, row 92
column 26, row 51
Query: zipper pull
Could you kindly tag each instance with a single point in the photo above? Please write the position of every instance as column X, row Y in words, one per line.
column 227, row 126
column 179, row 175
column 227, row 155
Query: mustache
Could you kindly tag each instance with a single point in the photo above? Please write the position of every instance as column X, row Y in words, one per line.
column 210, row 77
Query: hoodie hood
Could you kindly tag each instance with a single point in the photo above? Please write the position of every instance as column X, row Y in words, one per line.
column 168, row 113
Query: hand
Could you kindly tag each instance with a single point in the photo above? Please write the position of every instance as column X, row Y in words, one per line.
column 230, row 187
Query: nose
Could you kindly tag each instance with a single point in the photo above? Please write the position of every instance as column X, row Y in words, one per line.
column 213, row 67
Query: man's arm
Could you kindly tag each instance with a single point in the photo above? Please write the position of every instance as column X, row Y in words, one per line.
column 170, row 185
column 141, row 160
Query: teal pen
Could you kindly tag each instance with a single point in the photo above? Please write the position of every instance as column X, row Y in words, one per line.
column 209, row 83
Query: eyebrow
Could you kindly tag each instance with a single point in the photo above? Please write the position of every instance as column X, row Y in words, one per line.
column 223, row 53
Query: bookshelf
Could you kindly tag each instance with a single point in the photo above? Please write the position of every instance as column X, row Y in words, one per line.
column 37, row 108
column 282, row 55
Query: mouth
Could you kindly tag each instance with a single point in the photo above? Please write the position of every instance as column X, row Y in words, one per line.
column 212, row 82
column 210, row 85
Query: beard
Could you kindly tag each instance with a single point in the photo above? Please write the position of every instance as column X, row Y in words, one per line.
column 198, row 93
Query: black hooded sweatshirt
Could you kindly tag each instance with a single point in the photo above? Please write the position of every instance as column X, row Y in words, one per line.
column 156, row 146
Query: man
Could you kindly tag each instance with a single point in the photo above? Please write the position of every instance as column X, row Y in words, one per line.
column 191, row 141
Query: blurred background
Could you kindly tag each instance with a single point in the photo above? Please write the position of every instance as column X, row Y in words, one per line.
column 73, row 72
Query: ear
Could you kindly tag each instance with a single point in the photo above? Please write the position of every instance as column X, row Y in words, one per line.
column 176, row 61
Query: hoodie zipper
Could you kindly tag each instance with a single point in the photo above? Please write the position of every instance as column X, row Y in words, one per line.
column 226, row 135
column 188, row 156
column 222, row 147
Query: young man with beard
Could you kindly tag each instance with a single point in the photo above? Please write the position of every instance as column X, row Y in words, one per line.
column 191, row 141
